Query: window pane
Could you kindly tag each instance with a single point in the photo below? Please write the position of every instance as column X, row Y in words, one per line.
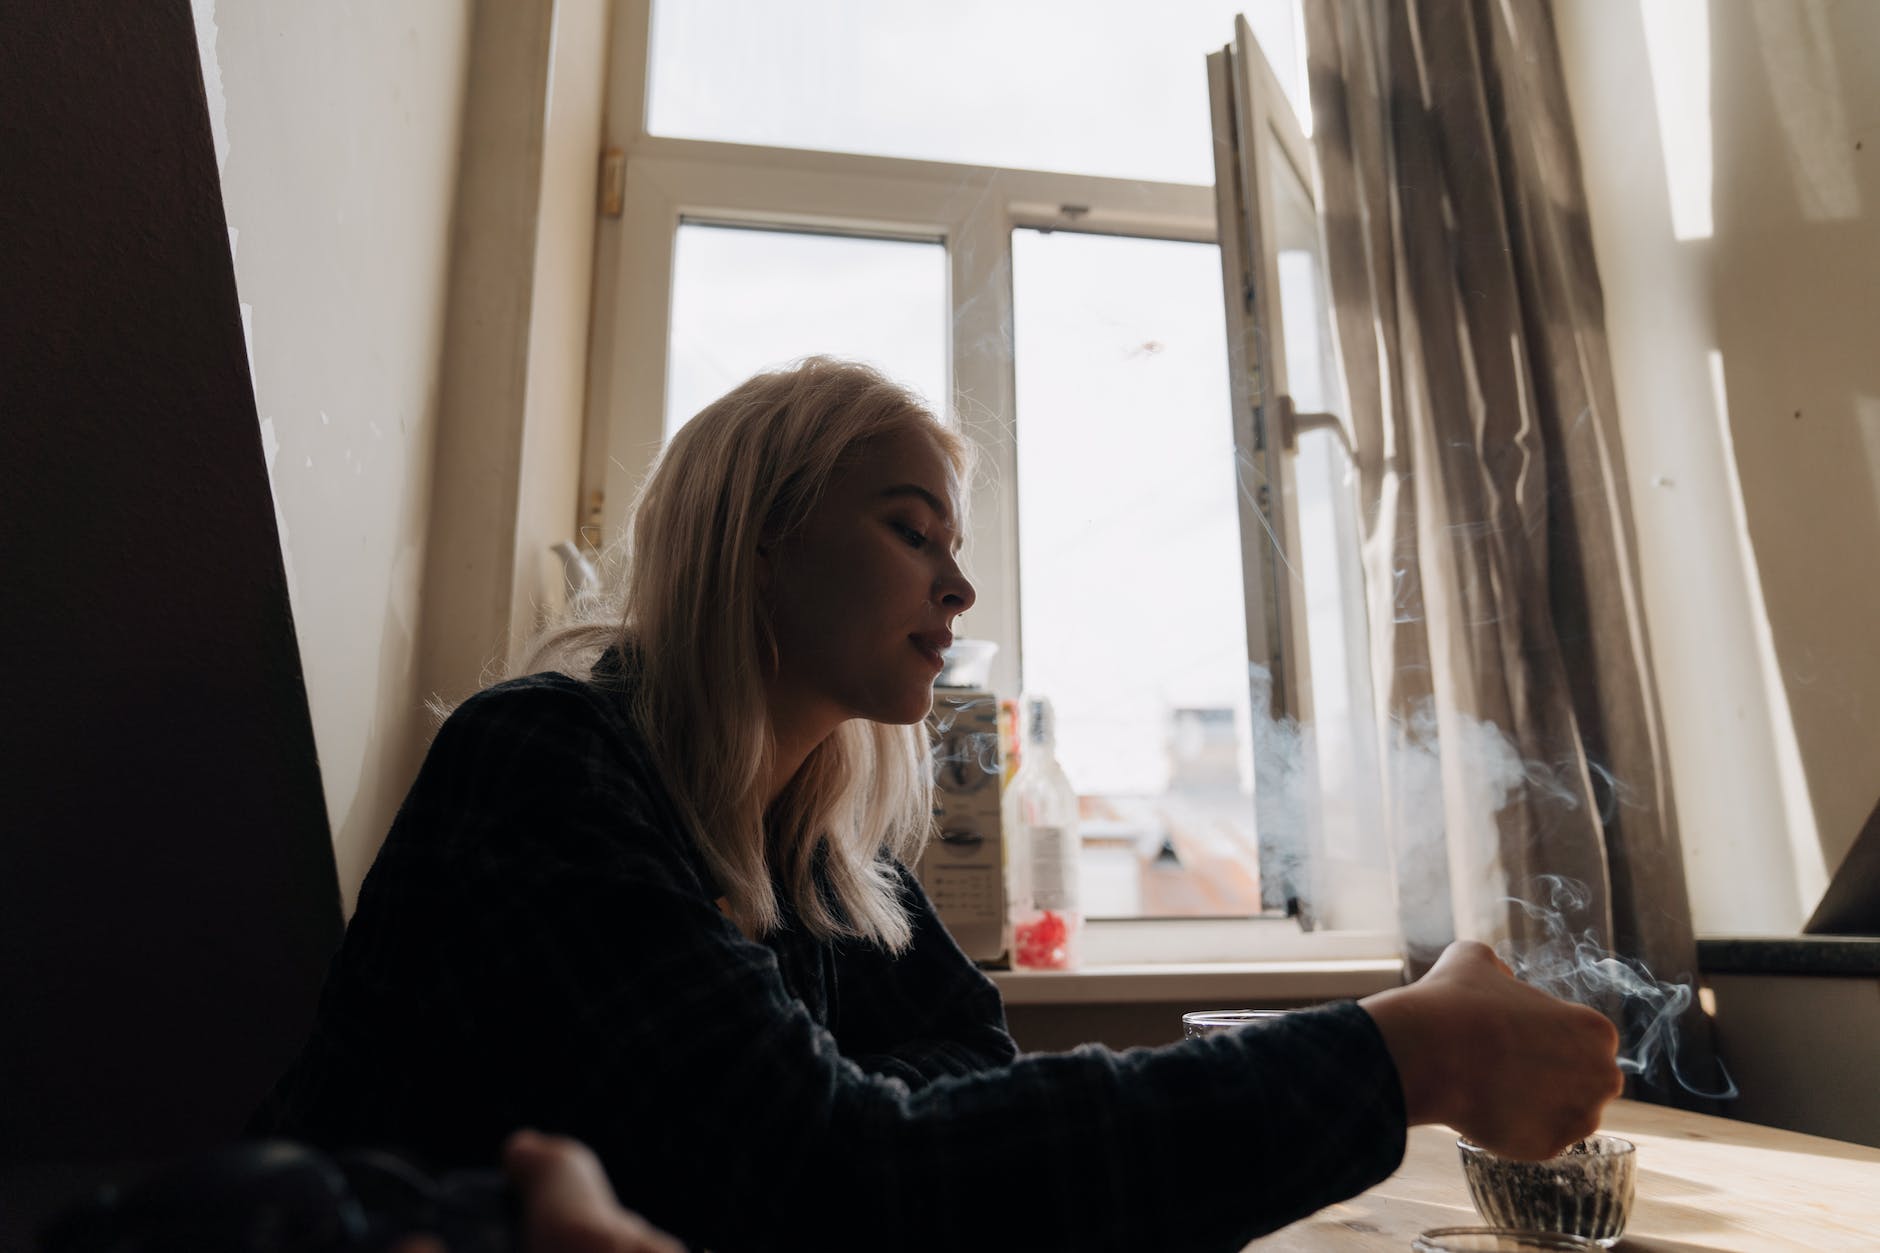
column 1094, row 87
column 744, row 300
column 1132, row 612
column 1331, row 575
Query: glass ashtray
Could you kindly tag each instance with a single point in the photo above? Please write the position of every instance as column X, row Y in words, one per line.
column 1585, row 1191
column 1497, row 1240
column 1208, row 1021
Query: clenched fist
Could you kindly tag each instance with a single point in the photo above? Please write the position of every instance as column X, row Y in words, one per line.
column 1519, row 1072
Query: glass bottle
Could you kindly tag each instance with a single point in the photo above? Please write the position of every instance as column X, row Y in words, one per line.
column 1040, row 821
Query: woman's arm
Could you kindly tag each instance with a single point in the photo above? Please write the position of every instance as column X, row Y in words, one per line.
column 924, row 1015
column 535, row 947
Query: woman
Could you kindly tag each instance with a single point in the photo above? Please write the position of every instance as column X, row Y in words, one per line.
column 662, row 905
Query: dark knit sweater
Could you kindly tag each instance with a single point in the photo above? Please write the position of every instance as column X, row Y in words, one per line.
column 538, row 944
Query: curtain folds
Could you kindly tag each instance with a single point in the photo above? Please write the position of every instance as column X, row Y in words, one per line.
column 1507, row 631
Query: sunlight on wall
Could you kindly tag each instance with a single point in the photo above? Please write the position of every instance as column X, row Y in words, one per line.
column 1867, row 418
column 1810, row 105
column 1804, row 838
column 1677, row 42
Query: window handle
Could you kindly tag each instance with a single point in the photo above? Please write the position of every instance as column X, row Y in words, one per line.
column 1293, row 424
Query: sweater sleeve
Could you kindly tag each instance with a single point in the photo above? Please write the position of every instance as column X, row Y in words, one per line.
column 537, row 952
column 925, row 1014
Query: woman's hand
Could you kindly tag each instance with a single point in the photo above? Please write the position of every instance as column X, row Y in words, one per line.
column 1517, row 1071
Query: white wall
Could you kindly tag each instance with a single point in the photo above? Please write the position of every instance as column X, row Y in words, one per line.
column 1731, row 151
column 337, row 136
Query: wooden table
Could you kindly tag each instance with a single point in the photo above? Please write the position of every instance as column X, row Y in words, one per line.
column 1703, row 1183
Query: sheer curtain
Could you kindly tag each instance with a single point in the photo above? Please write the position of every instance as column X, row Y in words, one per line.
column 1509, row 653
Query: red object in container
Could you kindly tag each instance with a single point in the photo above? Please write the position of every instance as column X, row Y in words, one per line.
column 1042, row 943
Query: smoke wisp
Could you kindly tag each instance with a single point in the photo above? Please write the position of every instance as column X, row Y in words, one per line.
column 1576, row 967
column 1449, row 779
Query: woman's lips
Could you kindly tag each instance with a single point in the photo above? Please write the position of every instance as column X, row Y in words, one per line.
column 932, row 647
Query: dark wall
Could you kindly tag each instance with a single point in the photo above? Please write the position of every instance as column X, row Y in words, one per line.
column 167, row 892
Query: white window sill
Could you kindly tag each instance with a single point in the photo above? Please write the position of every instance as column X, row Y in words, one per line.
column 1182, row 941
column 1202, row 985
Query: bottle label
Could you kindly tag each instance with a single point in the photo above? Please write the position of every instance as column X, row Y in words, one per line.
column 1053, row 869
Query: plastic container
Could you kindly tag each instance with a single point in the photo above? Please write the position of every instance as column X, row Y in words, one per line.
column 968, row 663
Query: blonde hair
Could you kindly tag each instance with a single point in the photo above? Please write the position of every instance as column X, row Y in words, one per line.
column 747, row 470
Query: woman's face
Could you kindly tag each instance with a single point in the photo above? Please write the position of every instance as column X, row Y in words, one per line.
column 863, row 596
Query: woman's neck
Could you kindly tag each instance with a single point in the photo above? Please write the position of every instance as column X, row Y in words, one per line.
column 794, row 734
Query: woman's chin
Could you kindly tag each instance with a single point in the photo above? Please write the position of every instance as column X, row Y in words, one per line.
column 894, row 700
column 907, row 710
column 916, row 713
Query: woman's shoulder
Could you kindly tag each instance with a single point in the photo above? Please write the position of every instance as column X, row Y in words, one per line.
column 549, row 691
column 550, row 707
column 578, row 731
column 543, row 753
column 604, row 695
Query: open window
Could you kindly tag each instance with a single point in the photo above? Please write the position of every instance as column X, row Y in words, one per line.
column 1126, row 559
column 1315, row 738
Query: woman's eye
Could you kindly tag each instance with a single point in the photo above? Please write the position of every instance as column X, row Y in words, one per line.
column 913, row 537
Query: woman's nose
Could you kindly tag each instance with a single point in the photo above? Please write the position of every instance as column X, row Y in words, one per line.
column 954, row 591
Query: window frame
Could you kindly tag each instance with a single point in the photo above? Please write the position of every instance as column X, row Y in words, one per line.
column 972, row 211
column 1259, row 140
